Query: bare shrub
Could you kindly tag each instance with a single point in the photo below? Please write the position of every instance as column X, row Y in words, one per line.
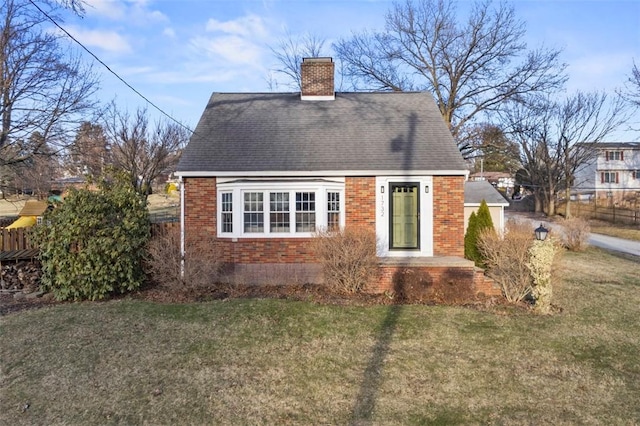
column 507, row 258
column 348, row 258
column 201, row 266
column 576, row 234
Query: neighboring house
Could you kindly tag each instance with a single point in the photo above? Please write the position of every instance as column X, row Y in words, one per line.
column 503, row 181
column 474, row 193
column 613, row 174
column 264, row 171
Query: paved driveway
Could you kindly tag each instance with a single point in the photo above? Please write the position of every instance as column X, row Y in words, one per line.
column 597, row 240
column 615, row 244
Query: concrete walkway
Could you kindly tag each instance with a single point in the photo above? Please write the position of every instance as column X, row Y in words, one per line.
column 598, row 240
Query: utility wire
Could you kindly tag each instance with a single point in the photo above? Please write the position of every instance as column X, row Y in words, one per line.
column 109, row 69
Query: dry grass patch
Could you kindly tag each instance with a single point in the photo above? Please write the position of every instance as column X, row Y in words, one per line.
column 619, row 231
column 284, row 362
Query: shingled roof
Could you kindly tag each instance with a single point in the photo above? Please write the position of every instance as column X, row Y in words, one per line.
column 252, row 134
column 475, row 192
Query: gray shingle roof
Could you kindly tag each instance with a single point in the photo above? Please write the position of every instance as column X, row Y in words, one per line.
column 475, row 192
column 249, row 132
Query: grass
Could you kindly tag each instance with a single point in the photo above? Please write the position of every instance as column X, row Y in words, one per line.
column 285, row 362
column 620, row 231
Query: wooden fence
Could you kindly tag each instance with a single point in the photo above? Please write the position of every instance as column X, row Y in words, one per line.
column 15, row 245
column 15, row 239
column 613, row 214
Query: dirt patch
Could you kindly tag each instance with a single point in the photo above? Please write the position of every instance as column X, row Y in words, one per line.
column 8, row 304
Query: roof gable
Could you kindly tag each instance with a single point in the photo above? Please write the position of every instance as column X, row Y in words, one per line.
column 393, row 131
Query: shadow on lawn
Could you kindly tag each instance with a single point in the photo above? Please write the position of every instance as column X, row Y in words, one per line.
column 366, row 399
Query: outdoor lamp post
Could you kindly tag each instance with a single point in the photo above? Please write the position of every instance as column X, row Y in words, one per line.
column 541, row 233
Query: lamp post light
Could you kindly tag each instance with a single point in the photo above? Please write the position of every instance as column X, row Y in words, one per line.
column 541, row 233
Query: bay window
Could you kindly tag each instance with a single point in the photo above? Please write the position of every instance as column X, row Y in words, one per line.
column 279, row 208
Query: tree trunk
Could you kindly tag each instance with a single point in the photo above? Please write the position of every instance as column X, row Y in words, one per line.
column 551, row 206
column 538, row 201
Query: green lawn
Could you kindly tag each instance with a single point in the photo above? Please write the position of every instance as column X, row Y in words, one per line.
column 285, row 362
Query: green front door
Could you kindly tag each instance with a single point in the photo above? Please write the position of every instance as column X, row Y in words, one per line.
column 405, row 216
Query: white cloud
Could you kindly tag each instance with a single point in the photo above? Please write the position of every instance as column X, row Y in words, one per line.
column 135, row 12
column 112, row 9
column 109, row 41
column 246, row 26
column 169, row 32
column 230, row 49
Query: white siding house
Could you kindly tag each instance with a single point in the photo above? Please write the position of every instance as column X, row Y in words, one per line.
column 614, row 173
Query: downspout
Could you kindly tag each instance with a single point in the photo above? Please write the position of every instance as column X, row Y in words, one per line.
column 182, row 232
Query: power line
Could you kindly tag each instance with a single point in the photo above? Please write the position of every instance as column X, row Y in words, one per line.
column 109, row 69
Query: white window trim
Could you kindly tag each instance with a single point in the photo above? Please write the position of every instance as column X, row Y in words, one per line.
column 238, row 188
column 426, row 216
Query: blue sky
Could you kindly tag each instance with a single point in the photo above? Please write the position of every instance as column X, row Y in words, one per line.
column 177, row 52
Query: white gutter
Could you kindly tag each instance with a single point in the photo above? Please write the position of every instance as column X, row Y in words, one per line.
column 342, row 173
column 182, row 254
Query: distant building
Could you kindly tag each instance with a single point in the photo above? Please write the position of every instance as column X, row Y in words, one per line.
column 503, row 181
column 613, row 174
column 474, row 193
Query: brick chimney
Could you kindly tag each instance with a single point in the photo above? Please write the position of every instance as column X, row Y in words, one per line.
column 317, row 79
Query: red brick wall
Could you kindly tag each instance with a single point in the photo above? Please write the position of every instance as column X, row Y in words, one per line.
column 201, row 224
column 200, row 209
column 360, row 201
column 201, row 228
column 448, row 216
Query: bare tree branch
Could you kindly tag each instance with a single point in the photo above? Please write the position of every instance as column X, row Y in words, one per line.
column 471, row 68
column 43, row 89
column 557, row 137
column 289, row 53
column 144, row 151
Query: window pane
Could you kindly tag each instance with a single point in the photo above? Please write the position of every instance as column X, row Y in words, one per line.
column 305, row 211
column 227, row 212
column 279, row 208
column 333, row 210
column 253, row 212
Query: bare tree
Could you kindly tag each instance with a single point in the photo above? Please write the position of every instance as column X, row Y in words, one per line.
column 43, row 88
column 631, row 91
column 471, row 68
column 289, row 53
column 557, row 137
column 143, row 151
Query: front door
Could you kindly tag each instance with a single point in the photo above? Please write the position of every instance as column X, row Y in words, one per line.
column 405, row 216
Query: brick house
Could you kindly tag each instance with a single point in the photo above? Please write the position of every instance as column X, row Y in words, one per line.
column 263, row 171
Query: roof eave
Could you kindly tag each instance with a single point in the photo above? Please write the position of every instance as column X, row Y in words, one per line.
column 305, row 173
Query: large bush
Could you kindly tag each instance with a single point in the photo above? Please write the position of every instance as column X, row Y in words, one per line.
column 93, row 243
column 348, row 257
